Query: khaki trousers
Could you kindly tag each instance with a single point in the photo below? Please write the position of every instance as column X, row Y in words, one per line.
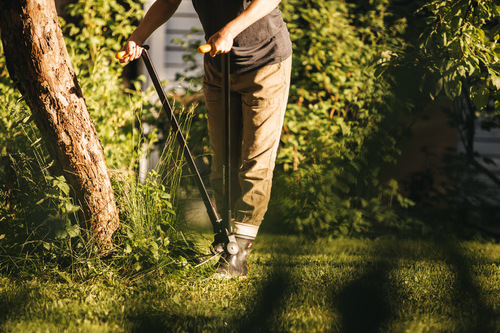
column 257, row 105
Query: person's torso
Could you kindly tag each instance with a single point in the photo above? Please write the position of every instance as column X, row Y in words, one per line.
column 263, row 43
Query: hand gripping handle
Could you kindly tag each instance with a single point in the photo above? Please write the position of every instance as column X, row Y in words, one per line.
column 205, row 48
column 120, row 55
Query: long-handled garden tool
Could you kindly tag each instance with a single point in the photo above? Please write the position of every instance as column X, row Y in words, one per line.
column 224, row 239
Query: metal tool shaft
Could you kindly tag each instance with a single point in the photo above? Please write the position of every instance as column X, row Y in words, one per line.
column 212, row 213
column 226, row 92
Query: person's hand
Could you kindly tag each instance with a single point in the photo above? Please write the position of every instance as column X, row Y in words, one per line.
column 221, row 42
column 132, row 51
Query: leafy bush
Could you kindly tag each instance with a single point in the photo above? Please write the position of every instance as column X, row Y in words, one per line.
column 39, row 230
column 94, row 33
column 457, row 40
column 342, row 122
column 451, row 51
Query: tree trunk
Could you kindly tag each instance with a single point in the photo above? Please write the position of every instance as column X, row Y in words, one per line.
column 39, row 65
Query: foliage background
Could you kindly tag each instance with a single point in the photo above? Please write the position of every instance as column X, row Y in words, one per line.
column 351, row 100
column 343, row 121
column 362, row 74
column 39, row 227
column 362, row 71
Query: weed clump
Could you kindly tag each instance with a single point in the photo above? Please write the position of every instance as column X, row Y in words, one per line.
column 41, row 230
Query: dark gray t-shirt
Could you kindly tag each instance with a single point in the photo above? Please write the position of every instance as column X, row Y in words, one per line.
column 263, row 43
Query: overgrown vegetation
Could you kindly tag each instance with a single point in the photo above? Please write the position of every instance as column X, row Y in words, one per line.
column 344, row 120
column 363, row 71
column 362, row 74
column 39, row 229
column 342, row 123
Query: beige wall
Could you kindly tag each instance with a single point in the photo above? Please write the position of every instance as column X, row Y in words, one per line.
column 425, row 146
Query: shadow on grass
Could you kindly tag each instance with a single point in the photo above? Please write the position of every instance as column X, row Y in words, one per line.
column 362, row 304
column 164, row 322
column 146, row 323
column 263, row 307
column 14, row 300
column 269, row 302
column 469, row 294
column 370, row 302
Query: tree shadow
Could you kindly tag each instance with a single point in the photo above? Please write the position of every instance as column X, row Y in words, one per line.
column 269, row 302
column 144, row 321
column 368, row 303
column 362, row 304
column 15, row 300
column 469, row 293
column 142, row 316
column 148, row 323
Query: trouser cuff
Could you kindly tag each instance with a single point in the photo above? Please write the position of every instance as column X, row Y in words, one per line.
column 245, row 230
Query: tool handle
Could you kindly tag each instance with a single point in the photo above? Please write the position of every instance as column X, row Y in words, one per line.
column 205, row 48
column 120, row 55
column 226, row 169
column 225, row 104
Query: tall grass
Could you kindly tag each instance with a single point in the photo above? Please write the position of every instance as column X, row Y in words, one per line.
column 152, row 231
column 40, row 231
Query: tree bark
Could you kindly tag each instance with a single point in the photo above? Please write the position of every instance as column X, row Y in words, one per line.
column 39, row 65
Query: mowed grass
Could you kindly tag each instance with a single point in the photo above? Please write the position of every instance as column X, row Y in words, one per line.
column 295, row 285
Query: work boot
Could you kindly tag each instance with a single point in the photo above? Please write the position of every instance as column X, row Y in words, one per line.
column 233, row 265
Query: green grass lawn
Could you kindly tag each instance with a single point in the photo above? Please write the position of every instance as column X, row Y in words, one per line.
column 294, row 285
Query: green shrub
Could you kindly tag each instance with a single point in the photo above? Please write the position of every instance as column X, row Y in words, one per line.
column 451, row 51
column 39, row 230
column 96, row 31
column 342, row 122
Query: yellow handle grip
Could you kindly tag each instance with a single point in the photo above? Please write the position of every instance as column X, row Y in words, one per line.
column 120, row 55
column 205, row 48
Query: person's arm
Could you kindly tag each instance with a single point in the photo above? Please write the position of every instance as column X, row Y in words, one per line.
column 159, row 13
column 222, row 41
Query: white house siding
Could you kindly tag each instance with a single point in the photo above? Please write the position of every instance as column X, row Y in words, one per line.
column 167, row 60
column 166, row 55
column 486, row 145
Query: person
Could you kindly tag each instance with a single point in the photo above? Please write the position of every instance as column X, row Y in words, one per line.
column 254, row 33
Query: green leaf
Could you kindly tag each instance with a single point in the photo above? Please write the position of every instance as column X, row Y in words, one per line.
column 479, row 96
column 60, row 233
column 60, row 183
column 137, row 266
column 438, row 86
column 495, row 32
column 495, row 80
column 496, row 9
column 73, row 231
column 70, row 208
column 453, row 88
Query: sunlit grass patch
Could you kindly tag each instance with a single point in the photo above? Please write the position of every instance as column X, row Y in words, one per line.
column 326, row 285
